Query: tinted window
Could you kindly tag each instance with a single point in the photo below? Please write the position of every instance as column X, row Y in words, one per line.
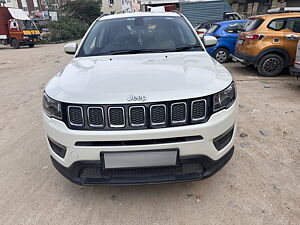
column 213, row 28
column 235, row 28
column 294, row 25
column 277, row 25
column 232, row 17
column 138, row 33
column 253, row 24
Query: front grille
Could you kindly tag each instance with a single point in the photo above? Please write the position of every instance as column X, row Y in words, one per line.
column 116, row 116
column 137, row 116
column 95, row 116
column 182, row 168
column 158, row 115
column 198, row 109
column 75, row 115
column 178, row 112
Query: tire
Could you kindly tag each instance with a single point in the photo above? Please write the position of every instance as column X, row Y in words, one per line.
column 270, row 65
column 15, row 44
column 31, row 45
column 221, row 55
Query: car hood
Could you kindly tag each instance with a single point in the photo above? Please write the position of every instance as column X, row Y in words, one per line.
column 155, row 77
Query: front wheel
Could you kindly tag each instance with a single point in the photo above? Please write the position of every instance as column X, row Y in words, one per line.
column 270, row 65
column 221, row 55
column 31, row 45
column 15, row 44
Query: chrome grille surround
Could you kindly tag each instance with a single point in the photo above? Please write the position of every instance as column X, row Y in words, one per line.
column 174, row 121
column 78, row 116
column 152, row 114
column 131, row 119
column 192, row 110
column 112, row 118
column 101, row 121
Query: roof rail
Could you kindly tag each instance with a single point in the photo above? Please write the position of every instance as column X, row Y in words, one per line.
column 284, row 10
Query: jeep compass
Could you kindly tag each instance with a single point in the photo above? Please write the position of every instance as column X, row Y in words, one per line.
column 141, row 102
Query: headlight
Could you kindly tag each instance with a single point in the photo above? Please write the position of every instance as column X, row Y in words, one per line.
column 225, row 98
column 51, row 107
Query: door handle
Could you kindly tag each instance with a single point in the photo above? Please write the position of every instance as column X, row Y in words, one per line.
column 291, row 37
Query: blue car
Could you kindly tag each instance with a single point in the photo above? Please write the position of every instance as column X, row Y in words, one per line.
column 227, row 33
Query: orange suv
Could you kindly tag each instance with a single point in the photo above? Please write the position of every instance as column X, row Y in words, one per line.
column 269, row 41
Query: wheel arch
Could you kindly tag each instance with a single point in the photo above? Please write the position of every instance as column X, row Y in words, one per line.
column 278, row 51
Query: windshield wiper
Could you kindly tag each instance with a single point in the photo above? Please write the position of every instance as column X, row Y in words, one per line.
column 187, row 47
column 132, row 51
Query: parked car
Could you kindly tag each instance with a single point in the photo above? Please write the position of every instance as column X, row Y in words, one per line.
column 141, row 102
column 269, row 42
column 227, row 33
column 205, row 26
column 295, row 70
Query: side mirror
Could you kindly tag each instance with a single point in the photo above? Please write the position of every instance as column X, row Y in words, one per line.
column 209, row 41
column 70, row 48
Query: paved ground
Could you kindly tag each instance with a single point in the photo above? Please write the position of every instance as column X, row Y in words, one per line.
column 261, row 185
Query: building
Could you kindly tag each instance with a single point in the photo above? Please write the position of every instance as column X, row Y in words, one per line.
column 135, row 5
column 11, row 3
column 116, row 6
column 254, row 7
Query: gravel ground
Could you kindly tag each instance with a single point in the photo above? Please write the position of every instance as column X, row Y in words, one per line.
column 260, row 185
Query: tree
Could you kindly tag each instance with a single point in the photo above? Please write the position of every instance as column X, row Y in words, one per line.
column 84, row 10
column 74, row 20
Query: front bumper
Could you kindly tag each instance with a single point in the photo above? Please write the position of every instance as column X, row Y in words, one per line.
column 203, row 157
column 295, row 71
column 189, row 169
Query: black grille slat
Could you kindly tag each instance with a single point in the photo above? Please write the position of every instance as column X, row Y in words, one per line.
column 95, row 116
column 137, row 116
column 75, row 115
column 178, row 112
column 198, row 110
column 116, row 116
column 158, row 114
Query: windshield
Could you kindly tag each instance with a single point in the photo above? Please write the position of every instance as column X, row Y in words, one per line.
column 27, row 25
column 139, row 34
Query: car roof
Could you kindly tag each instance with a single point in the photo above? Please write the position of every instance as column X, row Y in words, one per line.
column 138, row 14
column 230, row 22
column 276, row 15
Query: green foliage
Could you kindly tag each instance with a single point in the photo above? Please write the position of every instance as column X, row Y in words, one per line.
column 67, row 28
column 84, row 10
column 74, row 19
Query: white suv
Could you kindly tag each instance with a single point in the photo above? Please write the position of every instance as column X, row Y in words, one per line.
column 141, row 102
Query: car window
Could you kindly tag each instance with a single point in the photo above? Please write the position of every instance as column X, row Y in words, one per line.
column 277, row 24
column 213, row 28
column 138, row 33
column 253, row 24
column 294, row 25
column 232, row 17
column 235, row 28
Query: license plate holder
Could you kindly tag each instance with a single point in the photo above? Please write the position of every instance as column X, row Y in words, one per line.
column 139, row 159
